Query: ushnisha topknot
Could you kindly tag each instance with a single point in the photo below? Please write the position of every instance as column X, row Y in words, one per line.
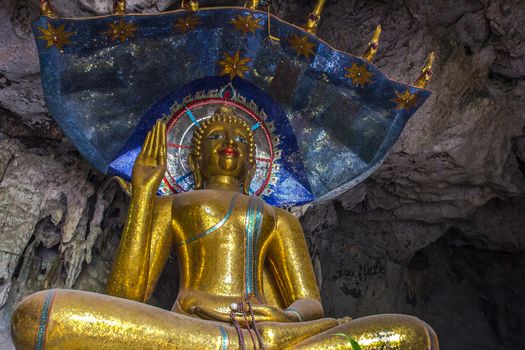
column 222, row 114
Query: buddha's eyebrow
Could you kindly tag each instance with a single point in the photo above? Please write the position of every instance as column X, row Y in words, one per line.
column 214, row 130
column 241, row 132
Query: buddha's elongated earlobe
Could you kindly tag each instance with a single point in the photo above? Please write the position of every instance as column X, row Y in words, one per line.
column 248, row 179
column 196, row 170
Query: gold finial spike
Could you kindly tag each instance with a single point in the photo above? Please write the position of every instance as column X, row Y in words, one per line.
column 426, row 72
column 46, row 9
column 252, row 4
column 192, row 5
column 373, row 45
column 119, row 7
column 269, row 21
column 314, row 17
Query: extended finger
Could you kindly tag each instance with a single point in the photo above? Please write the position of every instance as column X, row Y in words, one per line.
column 209, row 314
column 258, row 318
column 262, row 310
column 163, row 150
column 164, row 141
column 146, row 144
column 161, row 143
column 158, row 130
column 153, row 149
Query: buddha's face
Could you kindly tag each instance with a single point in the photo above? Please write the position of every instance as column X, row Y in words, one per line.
column 225, row 150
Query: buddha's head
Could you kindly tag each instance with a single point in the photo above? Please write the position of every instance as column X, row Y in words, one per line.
column 223, row 145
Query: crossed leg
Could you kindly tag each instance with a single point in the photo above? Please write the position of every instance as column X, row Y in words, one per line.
column 69, row 319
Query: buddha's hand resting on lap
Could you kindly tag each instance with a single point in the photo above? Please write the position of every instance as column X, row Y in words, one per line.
column 262, row 313
column 150, row 165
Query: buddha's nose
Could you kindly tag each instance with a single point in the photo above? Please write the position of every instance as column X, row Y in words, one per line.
column 230, row 140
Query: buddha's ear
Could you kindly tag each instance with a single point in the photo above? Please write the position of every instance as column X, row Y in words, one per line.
column 195, row 169
column 248, row 179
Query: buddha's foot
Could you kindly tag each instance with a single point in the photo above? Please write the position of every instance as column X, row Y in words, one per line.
column 395, row 332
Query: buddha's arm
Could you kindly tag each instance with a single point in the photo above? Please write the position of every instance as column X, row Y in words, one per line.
column 291, row 265
column 146, row 239
column 161, row 242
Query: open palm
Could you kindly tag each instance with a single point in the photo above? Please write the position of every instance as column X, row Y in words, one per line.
column 150, row 165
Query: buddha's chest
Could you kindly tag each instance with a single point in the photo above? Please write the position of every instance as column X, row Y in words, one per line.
column 233, row 218
column 225, row 241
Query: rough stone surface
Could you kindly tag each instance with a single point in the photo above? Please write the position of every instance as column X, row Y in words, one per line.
column 437, row 232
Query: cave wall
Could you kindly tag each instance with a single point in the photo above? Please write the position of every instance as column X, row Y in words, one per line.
column 438, row 231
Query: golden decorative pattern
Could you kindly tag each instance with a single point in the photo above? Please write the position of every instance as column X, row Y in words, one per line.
column 121, row 31
column 246, row 24
column 187, row 23
column 405, row 100
column 234, row 65
column 359, row 75
column 302, row 45
column 55, row 36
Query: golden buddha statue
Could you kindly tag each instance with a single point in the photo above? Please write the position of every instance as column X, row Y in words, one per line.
column 246, row 279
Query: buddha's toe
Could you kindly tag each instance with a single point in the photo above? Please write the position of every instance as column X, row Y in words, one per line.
column 29, row 320
column 344, row 320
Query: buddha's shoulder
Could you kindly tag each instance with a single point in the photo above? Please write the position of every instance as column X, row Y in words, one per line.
column 284, row 215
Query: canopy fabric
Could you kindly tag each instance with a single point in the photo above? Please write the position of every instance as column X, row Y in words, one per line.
column 324, row 120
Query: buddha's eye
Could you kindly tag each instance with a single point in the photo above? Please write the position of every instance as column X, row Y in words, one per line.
column 215, row 136
column 241, row 139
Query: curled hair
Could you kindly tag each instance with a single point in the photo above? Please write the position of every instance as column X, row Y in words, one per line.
column 222, row 114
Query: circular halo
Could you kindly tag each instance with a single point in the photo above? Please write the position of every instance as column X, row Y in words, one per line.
column 180, row 127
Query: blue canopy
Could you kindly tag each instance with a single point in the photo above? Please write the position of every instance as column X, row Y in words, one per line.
column 324, row 120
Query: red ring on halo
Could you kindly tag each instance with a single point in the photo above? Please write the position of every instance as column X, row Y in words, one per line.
column 206, row 101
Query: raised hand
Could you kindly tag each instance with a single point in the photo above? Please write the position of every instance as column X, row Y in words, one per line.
column 150, row 165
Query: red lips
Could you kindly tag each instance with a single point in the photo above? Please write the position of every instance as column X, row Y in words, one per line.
column 229, row 152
